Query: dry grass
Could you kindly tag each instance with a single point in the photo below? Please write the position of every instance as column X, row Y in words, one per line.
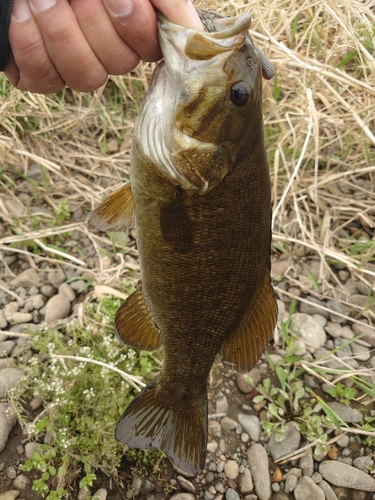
column 319, row 123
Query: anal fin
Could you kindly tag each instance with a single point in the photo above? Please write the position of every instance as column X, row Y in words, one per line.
column 116, row 212
column 152, row 421
column 243, row 348
column 134, row 324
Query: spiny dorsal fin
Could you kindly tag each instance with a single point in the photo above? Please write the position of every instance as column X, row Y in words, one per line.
column 245, row 346
column 116, row 212
column 134, row 324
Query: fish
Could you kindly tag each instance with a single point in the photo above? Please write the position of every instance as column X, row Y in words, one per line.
column 199, row 196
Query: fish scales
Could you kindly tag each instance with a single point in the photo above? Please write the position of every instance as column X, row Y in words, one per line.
column 200, row 195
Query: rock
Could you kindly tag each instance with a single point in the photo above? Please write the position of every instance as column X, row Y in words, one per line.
column 231, row 469
column 11, row 308
column 246, row 382
column 228, row 424
column 365, row 330
column 212, row 447
column 306, row 488
column 83, row 494
column 35, row 403
column 28, row 278
column 363, row 463
column 11, row 472
column 30, row 448
column 321, row 320
column 78, row 285
column 336, row 306
column 289, row 444
column 327, row 490
column 9, row 378
column 57, row 277
column 279, row 268
column 348, row 414
column 307, row 464
column 346, row 333
column 311, row 309
column 214, row 428
column 4, row 363
column 48, row 290
column 333, row 329
column 68, row 291
column 231, row 494
column 245, row 482
column 340, row 474
column 277, row 475
column 20, row 317
column 295, row 472
column 9, row 495
column 37, row 301
column 362, row 301
column 343, row 441
column 282, row 313
column 258, row 464
column 21, row 482
column 58, row 307
column 182, row 496
column 333, row 453
column 3, row 320
column 309, row 330
column 6, row 348
column 251, row 424
column 361, row 352
column 222, row 405
column 7, row 421
column 290, row 483
column 101, row 494
column 245, row 438
column 185, row 484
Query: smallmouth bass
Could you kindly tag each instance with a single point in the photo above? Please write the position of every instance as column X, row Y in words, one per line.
column 199, row 194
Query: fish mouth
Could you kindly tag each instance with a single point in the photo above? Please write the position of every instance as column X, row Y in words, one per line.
column 221, row 35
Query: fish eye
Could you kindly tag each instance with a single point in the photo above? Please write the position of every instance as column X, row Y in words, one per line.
column 240, row 93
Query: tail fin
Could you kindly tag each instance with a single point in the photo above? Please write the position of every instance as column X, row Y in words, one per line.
column 150, row 422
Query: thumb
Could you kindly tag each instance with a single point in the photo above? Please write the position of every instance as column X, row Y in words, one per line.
column 180, row 12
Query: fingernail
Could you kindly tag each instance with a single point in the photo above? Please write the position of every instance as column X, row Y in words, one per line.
column 42, row 5
column 21, row 11
column 120, row 8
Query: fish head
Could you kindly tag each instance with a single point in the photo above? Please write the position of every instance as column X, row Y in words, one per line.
column 209, row 91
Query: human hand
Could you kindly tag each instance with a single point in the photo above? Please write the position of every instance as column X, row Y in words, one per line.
column 79, row 43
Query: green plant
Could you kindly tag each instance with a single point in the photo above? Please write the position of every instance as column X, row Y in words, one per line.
column 62, row 211
column 344, row 394
column 85, row 379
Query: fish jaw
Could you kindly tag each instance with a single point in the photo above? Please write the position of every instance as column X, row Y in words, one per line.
column 191, row 130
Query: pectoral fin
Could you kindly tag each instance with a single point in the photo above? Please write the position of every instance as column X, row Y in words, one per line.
column 244, row 347
column 116, row 212
column 175, row 224
column 134, row 324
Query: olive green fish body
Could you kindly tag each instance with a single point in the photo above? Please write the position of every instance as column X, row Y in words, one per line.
column 200, row 196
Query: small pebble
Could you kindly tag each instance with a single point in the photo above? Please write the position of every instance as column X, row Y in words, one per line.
column 231, row 469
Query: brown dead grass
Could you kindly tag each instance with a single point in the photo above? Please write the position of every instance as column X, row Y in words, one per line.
column 319, row 122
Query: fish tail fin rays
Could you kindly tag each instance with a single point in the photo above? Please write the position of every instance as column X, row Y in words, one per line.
column 244, row 347
column 116, row 212
column 134, row 325
column 181, row 432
